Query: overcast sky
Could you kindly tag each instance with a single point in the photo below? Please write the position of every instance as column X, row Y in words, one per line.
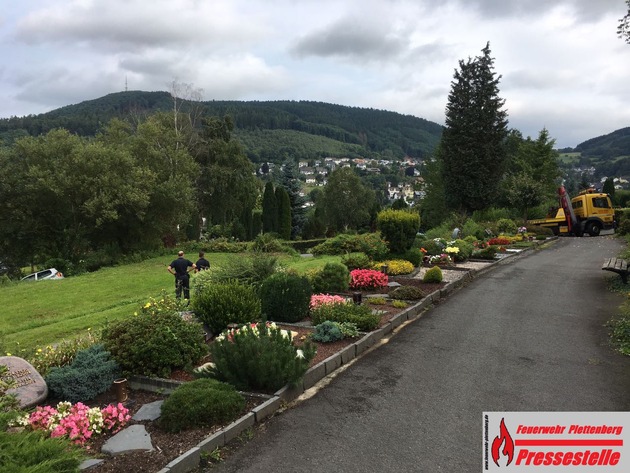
column 562, row 65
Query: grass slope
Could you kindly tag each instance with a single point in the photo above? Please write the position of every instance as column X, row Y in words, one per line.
column 41, row 313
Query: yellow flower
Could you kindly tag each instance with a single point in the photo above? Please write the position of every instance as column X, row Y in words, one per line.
column 147, row 305
column 135, row 313
column 39, row 350
column 8, row 354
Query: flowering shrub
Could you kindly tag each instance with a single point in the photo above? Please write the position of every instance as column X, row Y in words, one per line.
column 320, row 299
column 229, row 334
column 77, row 422
column 499, row 241
column 164, row 303
column 440, row 259
column 367, row 279
column 521, row 230
column 451, row 250
column 396, row 266
column 63, row 354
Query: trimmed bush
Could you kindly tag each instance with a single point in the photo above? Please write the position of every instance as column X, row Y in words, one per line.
column 473, row 229
column 333, row 277
column 371, row 244
column 200, row 403
column 399, row 228
column 260, row 359
column 360, row 315
column 407, row 293
column 154, row 345
column 485, row 253
column 91, row 373
column 285, row 297
column 219, row 305
column 356, row 261
column 395, row 266
column 251, row 270
column 433, row 275
column 413, row 255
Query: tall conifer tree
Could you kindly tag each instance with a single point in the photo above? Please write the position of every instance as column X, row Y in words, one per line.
column 472, row 149
column 269, row 210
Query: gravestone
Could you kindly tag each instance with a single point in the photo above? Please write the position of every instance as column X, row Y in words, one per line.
column 31, row 388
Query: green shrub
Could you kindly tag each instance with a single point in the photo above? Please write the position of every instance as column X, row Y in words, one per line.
column 165, row 303
column 360, row 315
column 465, row 250
column 624, row 227
column 471, row 239
column 8, row 402
column 407, row 293
column 91, row 373
column 327, row 332
column 219, row 305
column 506, row 225
column 369, row 243
column 376, row 300
column 413, row 255
column 252, row 270
column 492, row 214
column 285, row 297
column 399, row 228
column 485, row 253
column 36, row 452
column 200, row 403
column 433, row 275
column 333, row 277
column 268, row 243
column 435, row 246
column 62, row 354
column 260, row 359
column 356, row 261
column 399, row 304
column 154, row 345
column 348, row 329
column 473, row 229
column 224, row 245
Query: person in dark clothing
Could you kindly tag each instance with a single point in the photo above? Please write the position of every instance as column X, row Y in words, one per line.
column 179, row 268
column 202, row 263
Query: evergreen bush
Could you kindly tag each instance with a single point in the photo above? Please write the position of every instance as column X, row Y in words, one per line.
column 285, row 297
column 407, row 293
column 360, row 315
column 399, row 228
column 371, row 244
column 333, row 277
column 259, row 359
column 154, row 345
column 433, row 275
column 356, row 261
column 413, row 255
column 91, row 373
column 200, row 403
column 487, row 253
column 472, row 228
column 219, row 305
column 36, row 452
column 327, row 332
column 465, row 250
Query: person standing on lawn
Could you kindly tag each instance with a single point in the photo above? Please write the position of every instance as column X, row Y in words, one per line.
column 179, row 268
column 202, row 263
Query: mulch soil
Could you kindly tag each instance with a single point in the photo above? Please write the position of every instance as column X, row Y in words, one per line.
column 168, row 446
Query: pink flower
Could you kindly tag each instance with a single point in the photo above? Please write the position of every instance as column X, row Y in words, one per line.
column 367, row 279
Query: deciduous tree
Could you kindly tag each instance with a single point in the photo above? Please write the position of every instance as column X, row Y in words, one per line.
column 346, row 201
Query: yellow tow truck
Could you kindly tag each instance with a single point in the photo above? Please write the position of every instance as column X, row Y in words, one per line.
column 589, row 212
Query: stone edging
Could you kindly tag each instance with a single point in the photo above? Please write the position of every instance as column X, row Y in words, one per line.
column 191, row 459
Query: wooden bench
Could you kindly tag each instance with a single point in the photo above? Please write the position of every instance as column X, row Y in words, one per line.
column 619, row 266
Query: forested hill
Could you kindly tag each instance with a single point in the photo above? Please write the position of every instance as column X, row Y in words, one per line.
column 608, row 146
column 268, row 130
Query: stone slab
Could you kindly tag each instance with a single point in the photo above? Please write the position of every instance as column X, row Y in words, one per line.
column 267, row 408
column 131, row 439
column 332, row 363
column 238, row 426
column 314, row 374
column 289, row 393
column 89, row 463
column 210, row 444
column 31, row 388
column 151, row 411
column 348, row 354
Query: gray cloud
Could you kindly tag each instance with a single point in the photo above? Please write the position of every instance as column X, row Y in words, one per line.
column 585, row 10
column 351, row 38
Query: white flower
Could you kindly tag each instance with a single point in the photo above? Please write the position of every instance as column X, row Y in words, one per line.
column 299, row 354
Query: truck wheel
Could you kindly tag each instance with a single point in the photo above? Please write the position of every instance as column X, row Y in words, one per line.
column 593, row 229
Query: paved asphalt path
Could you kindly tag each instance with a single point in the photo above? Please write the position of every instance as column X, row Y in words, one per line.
column 527, row 336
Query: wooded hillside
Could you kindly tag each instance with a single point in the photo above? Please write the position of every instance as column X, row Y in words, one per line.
column 269, row 131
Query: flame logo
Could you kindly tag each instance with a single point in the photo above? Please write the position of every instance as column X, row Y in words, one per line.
column 508, row 448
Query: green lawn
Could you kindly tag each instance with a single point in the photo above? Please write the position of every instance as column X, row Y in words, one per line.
column 36, row 314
